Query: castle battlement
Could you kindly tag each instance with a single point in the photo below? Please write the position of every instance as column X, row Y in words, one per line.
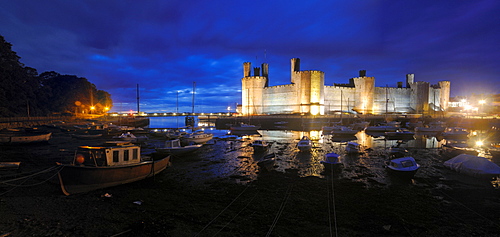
column 307, row 93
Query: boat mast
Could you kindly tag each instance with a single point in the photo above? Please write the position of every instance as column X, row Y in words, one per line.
column 194, row 89
column 137, row 99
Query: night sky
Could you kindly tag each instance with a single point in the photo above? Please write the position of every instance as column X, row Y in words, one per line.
column 165, row 46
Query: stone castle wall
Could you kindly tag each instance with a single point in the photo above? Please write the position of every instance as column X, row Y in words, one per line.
column 308, row 94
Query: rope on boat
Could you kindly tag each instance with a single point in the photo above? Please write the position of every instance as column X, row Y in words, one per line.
column 333, row 205
column 26, row 178
column 223, row 210
column 461, row 204
column 280, row 211
column 237, row 214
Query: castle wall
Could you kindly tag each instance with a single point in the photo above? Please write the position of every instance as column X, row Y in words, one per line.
column 308, row 94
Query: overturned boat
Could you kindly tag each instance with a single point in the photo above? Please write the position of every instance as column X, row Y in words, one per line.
column 112, row 164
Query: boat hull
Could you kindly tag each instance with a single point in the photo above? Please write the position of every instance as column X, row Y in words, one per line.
column 81, row 179
column 24, row 138
column 405, row 174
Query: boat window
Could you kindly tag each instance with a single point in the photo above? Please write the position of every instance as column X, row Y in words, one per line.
column 135, row 154
column 407, row 163
column 116, row 156
column 395, row 165
column 125, row 155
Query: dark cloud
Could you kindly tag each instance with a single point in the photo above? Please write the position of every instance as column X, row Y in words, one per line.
column 164, row 46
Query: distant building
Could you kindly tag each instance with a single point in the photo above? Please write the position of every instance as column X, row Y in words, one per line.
column 308, row 94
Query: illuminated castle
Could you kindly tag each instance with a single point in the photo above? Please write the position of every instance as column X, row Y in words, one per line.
column 308, row 93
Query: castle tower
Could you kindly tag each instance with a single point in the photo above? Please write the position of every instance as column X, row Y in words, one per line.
column 252, row 90
column 365, row 91
column 420, row 96
column 444, row 95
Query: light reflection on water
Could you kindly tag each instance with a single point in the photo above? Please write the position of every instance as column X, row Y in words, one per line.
column 232, row 157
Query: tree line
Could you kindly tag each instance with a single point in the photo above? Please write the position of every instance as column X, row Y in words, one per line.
column 24, row 92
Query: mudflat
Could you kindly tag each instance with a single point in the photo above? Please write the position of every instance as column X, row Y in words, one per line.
column 203, row 194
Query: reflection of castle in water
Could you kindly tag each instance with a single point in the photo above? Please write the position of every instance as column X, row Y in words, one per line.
column 307, row 93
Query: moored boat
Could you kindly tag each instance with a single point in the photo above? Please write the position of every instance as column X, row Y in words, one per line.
column 400, row 133
column 260, row 145
column 474, row 166
column 14, row 136
column 305, row 144
column 343, row 131
column 244, row 127
column 331, row 161
column 174, row 147
column 455, row 132
column 198, row 137
column 112, row 164
column 267, row 162
column 404, row 167
column 352, row 148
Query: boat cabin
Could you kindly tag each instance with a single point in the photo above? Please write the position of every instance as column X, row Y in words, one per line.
column 113, row 153
column 173, row 143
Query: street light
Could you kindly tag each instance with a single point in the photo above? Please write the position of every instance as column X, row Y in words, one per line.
column 228, row 110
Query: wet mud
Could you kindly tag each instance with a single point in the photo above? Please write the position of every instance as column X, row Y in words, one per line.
column 219, row 190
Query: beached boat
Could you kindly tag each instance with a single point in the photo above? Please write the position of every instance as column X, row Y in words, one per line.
column 352, row 148
column 112, row 164
column 381, row 128
column 244, row 127
column 305, row 144
column 10, row 165
column 259, row 145
column 19, row 136
column 456, row 147
column 475, row 166
column 404, row 167
column 397, row 151
column 174, row 147
column 455, row 132
column 360, row 125
column 343, row 131
column 267, row 162
column 131, row 137
column 430, row 128
column 332, row 160
column 198, row 137
column 400, row 134
column 86, row 135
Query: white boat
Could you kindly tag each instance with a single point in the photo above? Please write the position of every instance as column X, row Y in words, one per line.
column 332, row 160
column 260, row 145
column 343, row 131
column 455, row 132
column 23, row 137
column 174, row 147
column 131, row 137
column 244, row 127
column 305, row 144
column 404, row 167
column 198, row 137
column 475, row 166
column 352, row 148
column 112, row 164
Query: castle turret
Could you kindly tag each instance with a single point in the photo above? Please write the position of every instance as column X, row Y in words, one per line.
column 364, row 97
column 252, row 90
